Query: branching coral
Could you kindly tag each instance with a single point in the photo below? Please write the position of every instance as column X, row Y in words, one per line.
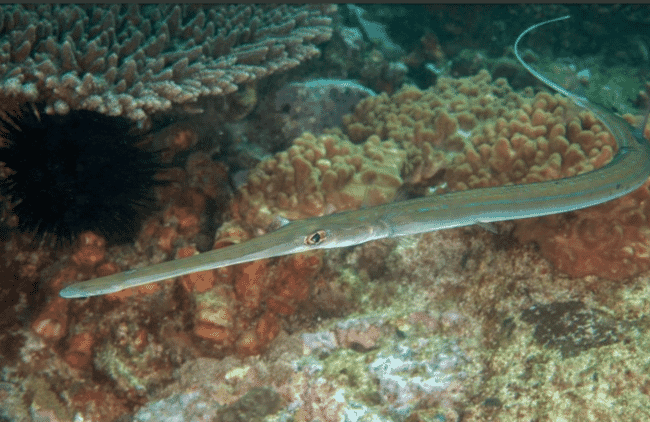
column 133, row 60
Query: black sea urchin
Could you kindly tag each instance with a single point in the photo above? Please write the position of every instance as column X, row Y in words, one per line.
column 75, row 172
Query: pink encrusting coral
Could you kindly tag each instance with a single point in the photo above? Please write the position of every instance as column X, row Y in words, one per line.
column 609, row 240
column 239, row 308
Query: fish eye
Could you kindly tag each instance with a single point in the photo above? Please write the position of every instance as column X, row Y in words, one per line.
column 315, row 238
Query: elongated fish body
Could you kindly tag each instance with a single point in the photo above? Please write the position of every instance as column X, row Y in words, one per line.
column 627, row 171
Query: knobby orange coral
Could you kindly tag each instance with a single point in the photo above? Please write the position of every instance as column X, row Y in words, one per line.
column 320, row 175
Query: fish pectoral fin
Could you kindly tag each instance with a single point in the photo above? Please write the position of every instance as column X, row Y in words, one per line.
column 277, row 223
column 491, row 227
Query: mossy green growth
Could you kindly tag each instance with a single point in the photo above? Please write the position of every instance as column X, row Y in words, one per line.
column 119, row 368
column 615, row 88
column 129, row 367
column 42, row 398
column 350, row 368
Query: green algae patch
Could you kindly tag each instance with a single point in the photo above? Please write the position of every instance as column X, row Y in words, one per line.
column 350, row 368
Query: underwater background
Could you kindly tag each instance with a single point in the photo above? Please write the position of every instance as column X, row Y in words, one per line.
column 255, row 112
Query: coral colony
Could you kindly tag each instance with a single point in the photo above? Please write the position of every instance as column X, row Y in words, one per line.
column 136, row 60
column 451, row 325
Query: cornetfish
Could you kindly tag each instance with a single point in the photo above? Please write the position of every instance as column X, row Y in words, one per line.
column 627, row 171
